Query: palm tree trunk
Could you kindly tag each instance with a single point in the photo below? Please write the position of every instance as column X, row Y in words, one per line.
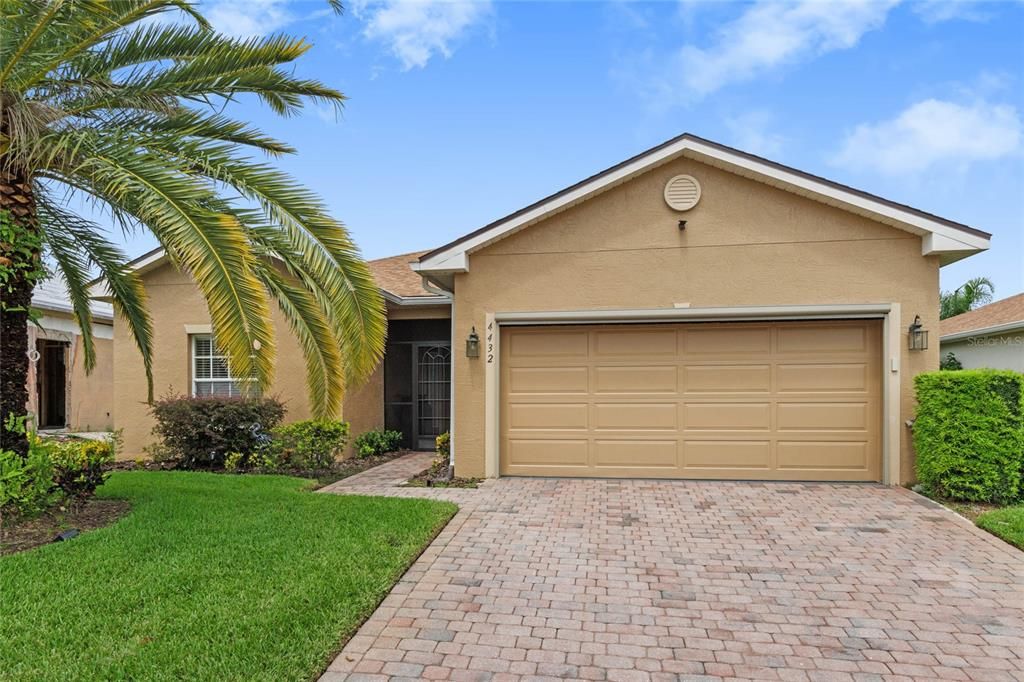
column 17, row 200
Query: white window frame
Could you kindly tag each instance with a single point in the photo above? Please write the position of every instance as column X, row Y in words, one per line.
column 234, row 391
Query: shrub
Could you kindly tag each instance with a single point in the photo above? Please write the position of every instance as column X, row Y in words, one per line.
column 378, row 442
column 311, row 444
column 26, row 483
column 200, row 432
column 969, row 434
column 950, row 362
column 443, row 447
column 78, row 465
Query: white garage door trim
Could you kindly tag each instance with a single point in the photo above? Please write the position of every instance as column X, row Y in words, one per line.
column 891, row 350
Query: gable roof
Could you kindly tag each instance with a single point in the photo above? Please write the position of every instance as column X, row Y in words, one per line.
column 52, row 294
column 946, row 238
column 1001, row 316
column 394, row 276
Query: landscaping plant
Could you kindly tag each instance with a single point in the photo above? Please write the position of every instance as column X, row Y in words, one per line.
column 310, row 444
column 969, row 434
column 199, row 433
column 378, row 442
column 126, row 107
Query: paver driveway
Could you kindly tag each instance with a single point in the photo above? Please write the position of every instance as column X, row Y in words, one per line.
column 630, row 580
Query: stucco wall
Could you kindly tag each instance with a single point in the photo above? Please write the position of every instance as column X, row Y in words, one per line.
column 1000, row 351
column 89, row 398
column 745, row 244
column 175, row 301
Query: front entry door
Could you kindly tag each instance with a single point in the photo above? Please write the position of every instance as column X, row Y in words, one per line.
column 432, row 406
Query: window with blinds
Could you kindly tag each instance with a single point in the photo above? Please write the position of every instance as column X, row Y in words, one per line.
column 211, row 375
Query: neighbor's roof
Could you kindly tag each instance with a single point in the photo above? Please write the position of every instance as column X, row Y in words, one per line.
column 1001, row 316
column 949, row 240
column 395, row 276
column 52, row 294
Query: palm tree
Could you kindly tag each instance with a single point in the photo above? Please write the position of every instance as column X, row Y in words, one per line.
column 102, row 105
column 973, row 293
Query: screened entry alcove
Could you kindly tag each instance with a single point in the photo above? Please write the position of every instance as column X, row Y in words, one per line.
column 417, row 380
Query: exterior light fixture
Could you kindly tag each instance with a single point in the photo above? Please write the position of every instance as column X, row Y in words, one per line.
column 917, row 338
column 473, row 344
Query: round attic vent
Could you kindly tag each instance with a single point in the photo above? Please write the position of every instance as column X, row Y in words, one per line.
column 682, row 192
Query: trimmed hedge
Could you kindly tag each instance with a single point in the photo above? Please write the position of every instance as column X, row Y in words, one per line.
column 969, row 434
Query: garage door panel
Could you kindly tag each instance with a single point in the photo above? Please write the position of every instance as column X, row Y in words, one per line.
column 641, row 380
column 635, row 343
column 545, row 452
column 727, row 378
column 822, row 416
column 823, row 455
column 758, row 401
column 726, row 340
column 727, row 455
column 547, row 416
column 820, row 339
column 553, row 344
column 548, row 380
column 823, row 377
column 636, row 453
column 635, row 416
column 727, row 416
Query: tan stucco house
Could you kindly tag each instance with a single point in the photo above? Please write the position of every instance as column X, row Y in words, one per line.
column 692, row 312
column 990, row 336
column 61, row 395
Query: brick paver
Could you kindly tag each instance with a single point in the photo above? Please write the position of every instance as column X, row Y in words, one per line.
column 678, row 580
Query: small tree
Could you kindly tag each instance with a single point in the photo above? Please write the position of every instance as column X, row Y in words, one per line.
column 973, row 293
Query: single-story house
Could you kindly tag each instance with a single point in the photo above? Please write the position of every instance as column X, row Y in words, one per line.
column 60, row 393
column 692, row 312
column 989, row 336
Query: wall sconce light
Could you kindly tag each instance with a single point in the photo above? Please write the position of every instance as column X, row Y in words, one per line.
column 473, row 344
column 917, row 338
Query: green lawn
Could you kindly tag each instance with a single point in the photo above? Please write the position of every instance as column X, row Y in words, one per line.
column 1007, row 523
column 209, row 577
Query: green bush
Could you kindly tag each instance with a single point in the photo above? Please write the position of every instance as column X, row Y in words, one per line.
column 78, row 465
column 443, row 446
column 378, row 442
column 311, row 444
column 198, row 433
column 26, row 483
column 950, row 362
column 969, row 434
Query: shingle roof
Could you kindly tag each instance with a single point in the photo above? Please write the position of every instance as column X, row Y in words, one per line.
column 52, row 294
column 394, row 275
column 1006, row 311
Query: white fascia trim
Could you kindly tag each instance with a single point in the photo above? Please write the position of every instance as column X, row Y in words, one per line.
column 455, row 258
column 415, row 300
column 984, row 331
column 750, row 313
column 60, row 324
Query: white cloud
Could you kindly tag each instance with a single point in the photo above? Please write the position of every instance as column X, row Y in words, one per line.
column 750, row 132
column 933, row 132
column 416, row 30
column 935, row 11
column 769, row 35
column 244, row 18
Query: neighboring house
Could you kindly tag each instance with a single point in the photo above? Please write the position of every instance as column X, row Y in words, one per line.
column 692, row 312
column 989, row 336
column 60, row 394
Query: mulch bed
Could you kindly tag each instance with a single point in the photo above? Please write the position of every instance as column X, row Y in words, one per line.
column 341, row 469
column 437, row 475
column 22, row 534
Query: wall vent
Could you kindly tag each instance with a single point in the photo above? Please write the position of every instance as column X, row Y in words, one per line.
column 682, row 192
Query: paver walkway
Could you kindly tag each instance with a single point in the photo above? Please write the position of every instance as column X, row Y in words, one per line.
column 676, row 580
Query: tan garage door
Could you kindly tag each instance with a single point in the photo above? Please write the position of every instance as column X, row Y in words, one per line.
column 779, row 401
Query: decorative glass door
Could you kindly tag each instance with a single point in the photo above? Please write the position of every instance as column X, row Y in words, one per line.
column 433, row 392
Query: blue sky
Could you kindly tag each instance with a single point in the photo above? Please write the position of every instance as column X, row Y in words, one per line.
column 461, row 112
